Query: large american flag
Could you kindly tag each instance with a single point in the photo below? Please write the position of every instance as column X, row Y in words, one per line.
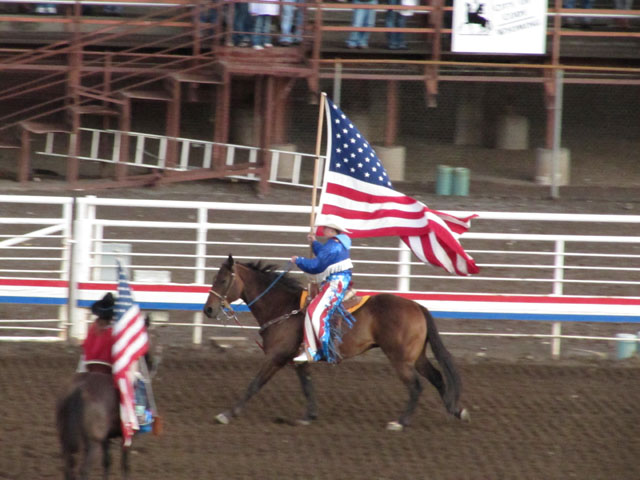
column 130, row 343
column 358, row 194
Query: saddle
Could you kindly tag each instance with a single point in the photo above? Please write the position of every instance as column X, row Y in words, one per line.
column 351, row 302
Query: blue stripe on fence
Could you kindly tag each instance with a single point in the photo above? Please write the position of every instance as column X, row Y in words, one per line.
column 33, row 300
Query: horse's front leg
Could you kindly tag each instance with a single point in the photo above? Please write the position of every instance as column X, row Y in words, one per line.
column 268, row 369
column 302, row 370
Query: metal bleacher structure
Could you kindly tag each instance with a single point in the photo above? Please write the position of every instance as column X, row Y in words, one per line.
column 57, row 71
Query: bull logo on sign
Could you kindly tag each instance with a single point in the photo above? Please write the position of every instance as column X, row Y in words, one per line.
column 477, row 17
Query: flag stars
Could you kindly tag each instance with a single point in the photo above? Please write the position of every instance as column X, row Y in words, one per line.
column 352, row 170
column 337, row 120
column 345, row 145
column 338, row 135
column 344, row 130
column 353, row 155
column 367, row 174
column 353, row 140
column 374, row 169
column 360, row 165
column 351, row 125
column 360, row 150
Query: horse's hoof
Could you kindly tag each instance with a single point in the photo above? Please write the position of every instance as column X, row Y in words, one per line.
column 395, row 426
column 223, row 419
column 464, row 415
column 304, row 422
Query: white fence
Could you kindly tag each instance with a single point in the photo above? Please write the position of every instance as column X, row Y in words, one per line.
column 150, row 151
column 531, row 267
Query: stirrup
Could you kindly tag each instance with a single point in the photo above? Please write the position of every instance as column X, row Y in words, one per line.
column 304, row 357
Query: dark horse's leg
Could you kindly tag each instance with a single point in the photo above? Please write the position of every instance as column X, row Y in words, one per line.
column 124, row 463
column 91, row 449
column 302, row 370
column 106, row 459
column 268, row 369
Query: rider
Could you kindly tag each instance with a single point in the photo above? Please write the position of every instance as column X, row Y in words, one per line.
column 97, row 347
column 97, row 354
column 332, row 269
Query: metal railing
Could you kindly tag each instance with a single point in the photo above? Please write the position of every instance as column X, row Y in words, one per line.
column 590, row 274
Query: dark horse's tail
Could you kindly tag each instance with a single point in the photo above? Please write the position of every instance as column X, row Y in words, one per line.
column 69, row 420
column 453, row 385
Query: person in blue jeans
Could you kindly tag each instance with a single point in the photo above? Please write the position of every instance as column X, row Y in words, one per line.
column 583, row 4
column 397, row 19
column 362, row 17
column 242, row 25
column 262, row 13
column 288, row 15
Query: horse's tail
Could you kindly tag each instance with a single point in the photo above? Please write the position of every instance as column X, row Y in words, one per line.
column 453, row 384
column 69, row 419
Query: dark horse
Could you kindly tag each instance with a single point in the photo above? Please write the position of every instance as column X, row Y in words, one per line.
column 88, row 418
column 400, row 327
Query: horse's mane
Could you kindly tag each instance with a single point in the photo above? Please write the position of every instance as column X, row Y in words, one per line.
column 270, row 271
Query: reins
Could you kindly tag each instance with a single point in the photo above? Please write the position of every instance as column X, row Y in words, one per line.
column 227, row 306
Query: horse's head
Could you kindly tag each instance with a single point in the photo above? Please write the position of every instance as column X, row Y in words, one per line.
column 226, row 288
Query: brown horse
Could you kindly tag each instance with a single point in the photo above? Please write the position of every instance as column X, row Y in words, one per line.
column 400, row 327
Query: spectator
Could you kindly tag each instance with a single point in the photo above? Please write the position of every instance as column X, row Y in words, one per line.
column 242, row 25
column 362, row 17
column 623, row 23
column 288, row 15
column 572, row 4
column 398, row 19
column 262, row 13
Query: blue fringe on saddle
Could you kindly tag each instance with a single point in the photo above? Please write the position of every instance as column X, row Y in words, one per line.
column 330, row 347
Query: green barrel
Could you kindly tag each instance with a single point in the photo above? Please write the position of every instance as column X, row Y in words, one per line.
column 444, row 181
column 460, row 182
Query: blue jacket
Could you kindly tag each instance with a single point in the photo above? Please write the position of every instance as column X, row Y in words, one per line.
column 330, row 257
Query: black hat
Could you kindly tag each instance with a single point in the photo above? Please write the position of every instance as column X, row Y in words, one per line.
column 104, row 308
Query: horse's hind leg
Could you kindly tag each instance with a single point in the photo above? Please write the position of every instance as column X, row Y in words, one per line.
column 90, row 452
column 106, row 459
column 69, row 466
column 431, row 373
column 302, row 370
column 409, row 377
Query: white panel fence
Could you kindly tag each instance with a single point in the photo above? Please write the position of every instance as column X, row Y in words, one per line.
column 56, row 252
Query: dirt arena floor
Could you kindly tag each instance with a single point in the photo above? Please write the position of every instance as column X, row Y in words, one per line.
column 530, row 420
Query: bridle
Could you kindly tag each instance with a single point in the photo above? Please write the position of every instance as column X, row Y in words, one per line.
column 224, row 303
column 226, row 306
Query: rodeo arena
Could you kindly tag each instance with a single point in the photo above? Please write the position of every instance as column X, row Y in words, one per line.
column 280, row 239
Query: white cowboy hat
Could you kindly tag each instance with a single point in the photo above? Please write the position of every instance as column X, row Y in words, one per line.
column 336, row 227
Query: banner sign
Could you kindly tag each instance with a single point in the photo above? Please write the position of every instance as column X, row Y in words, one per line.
column 499, row 26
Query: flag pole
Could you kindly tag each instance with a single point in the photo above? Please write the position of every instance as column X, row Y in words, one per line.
column 316, row 165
